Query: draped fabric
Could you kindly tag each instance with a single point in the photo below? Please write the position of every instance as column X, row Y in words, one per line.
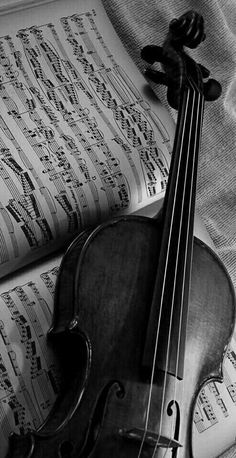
column 142, row 22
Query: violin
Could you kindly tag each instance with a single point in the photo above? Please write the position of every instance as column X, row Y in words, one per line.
column 144, row 311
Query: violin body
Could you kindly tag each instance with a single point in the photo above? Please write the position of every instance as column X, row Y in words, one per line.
column 111, row 291
column 114, row 284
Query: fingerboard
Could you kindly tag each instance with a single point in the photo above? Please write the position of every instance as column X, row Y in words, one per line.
column 166, row 332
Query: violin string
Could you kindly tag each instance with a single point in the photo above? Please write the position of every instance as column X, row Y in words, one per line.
column 199, row 110
column 160, row 312
column 199, row 118
column 191, row 187
column 190, row 102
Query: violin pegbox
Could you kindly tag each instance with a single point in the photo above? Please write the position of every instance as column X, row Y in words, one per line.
column 178, row 67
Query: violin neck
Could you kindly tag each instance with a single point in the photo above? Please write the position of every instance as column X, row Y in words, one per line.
column 168, row 317
column 179, row 203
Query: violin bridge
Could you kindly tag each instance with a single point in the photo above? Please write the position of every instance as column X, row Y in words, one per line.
column 149, row 437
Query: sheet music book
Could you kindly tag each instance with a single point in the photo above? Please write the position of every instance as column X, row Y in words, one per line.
column 81, row 141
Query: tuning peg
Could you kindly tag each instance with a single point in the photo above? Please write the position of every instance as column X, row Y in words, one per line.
column 212, row 90
column 152, row 53
column 156, row 76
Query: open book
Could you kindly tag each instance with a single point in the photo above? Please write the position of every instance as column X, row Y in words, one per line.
column 81, row 140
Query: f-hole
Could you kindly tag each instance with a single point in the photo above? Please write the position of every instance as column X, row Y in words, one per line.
column 170, row 410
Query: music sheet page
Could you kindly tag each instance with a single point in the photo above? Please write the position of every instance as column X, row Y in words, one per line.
column 29, row 376
column 78, row 141
column 214, row 428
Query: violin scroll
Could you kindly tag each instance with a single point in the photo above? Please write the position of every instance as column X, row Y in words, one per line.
column 179, row 68
column 188, row 30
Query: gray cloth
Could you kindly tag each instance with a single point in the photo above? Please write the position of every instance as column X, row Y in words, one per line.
column 142, row 22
